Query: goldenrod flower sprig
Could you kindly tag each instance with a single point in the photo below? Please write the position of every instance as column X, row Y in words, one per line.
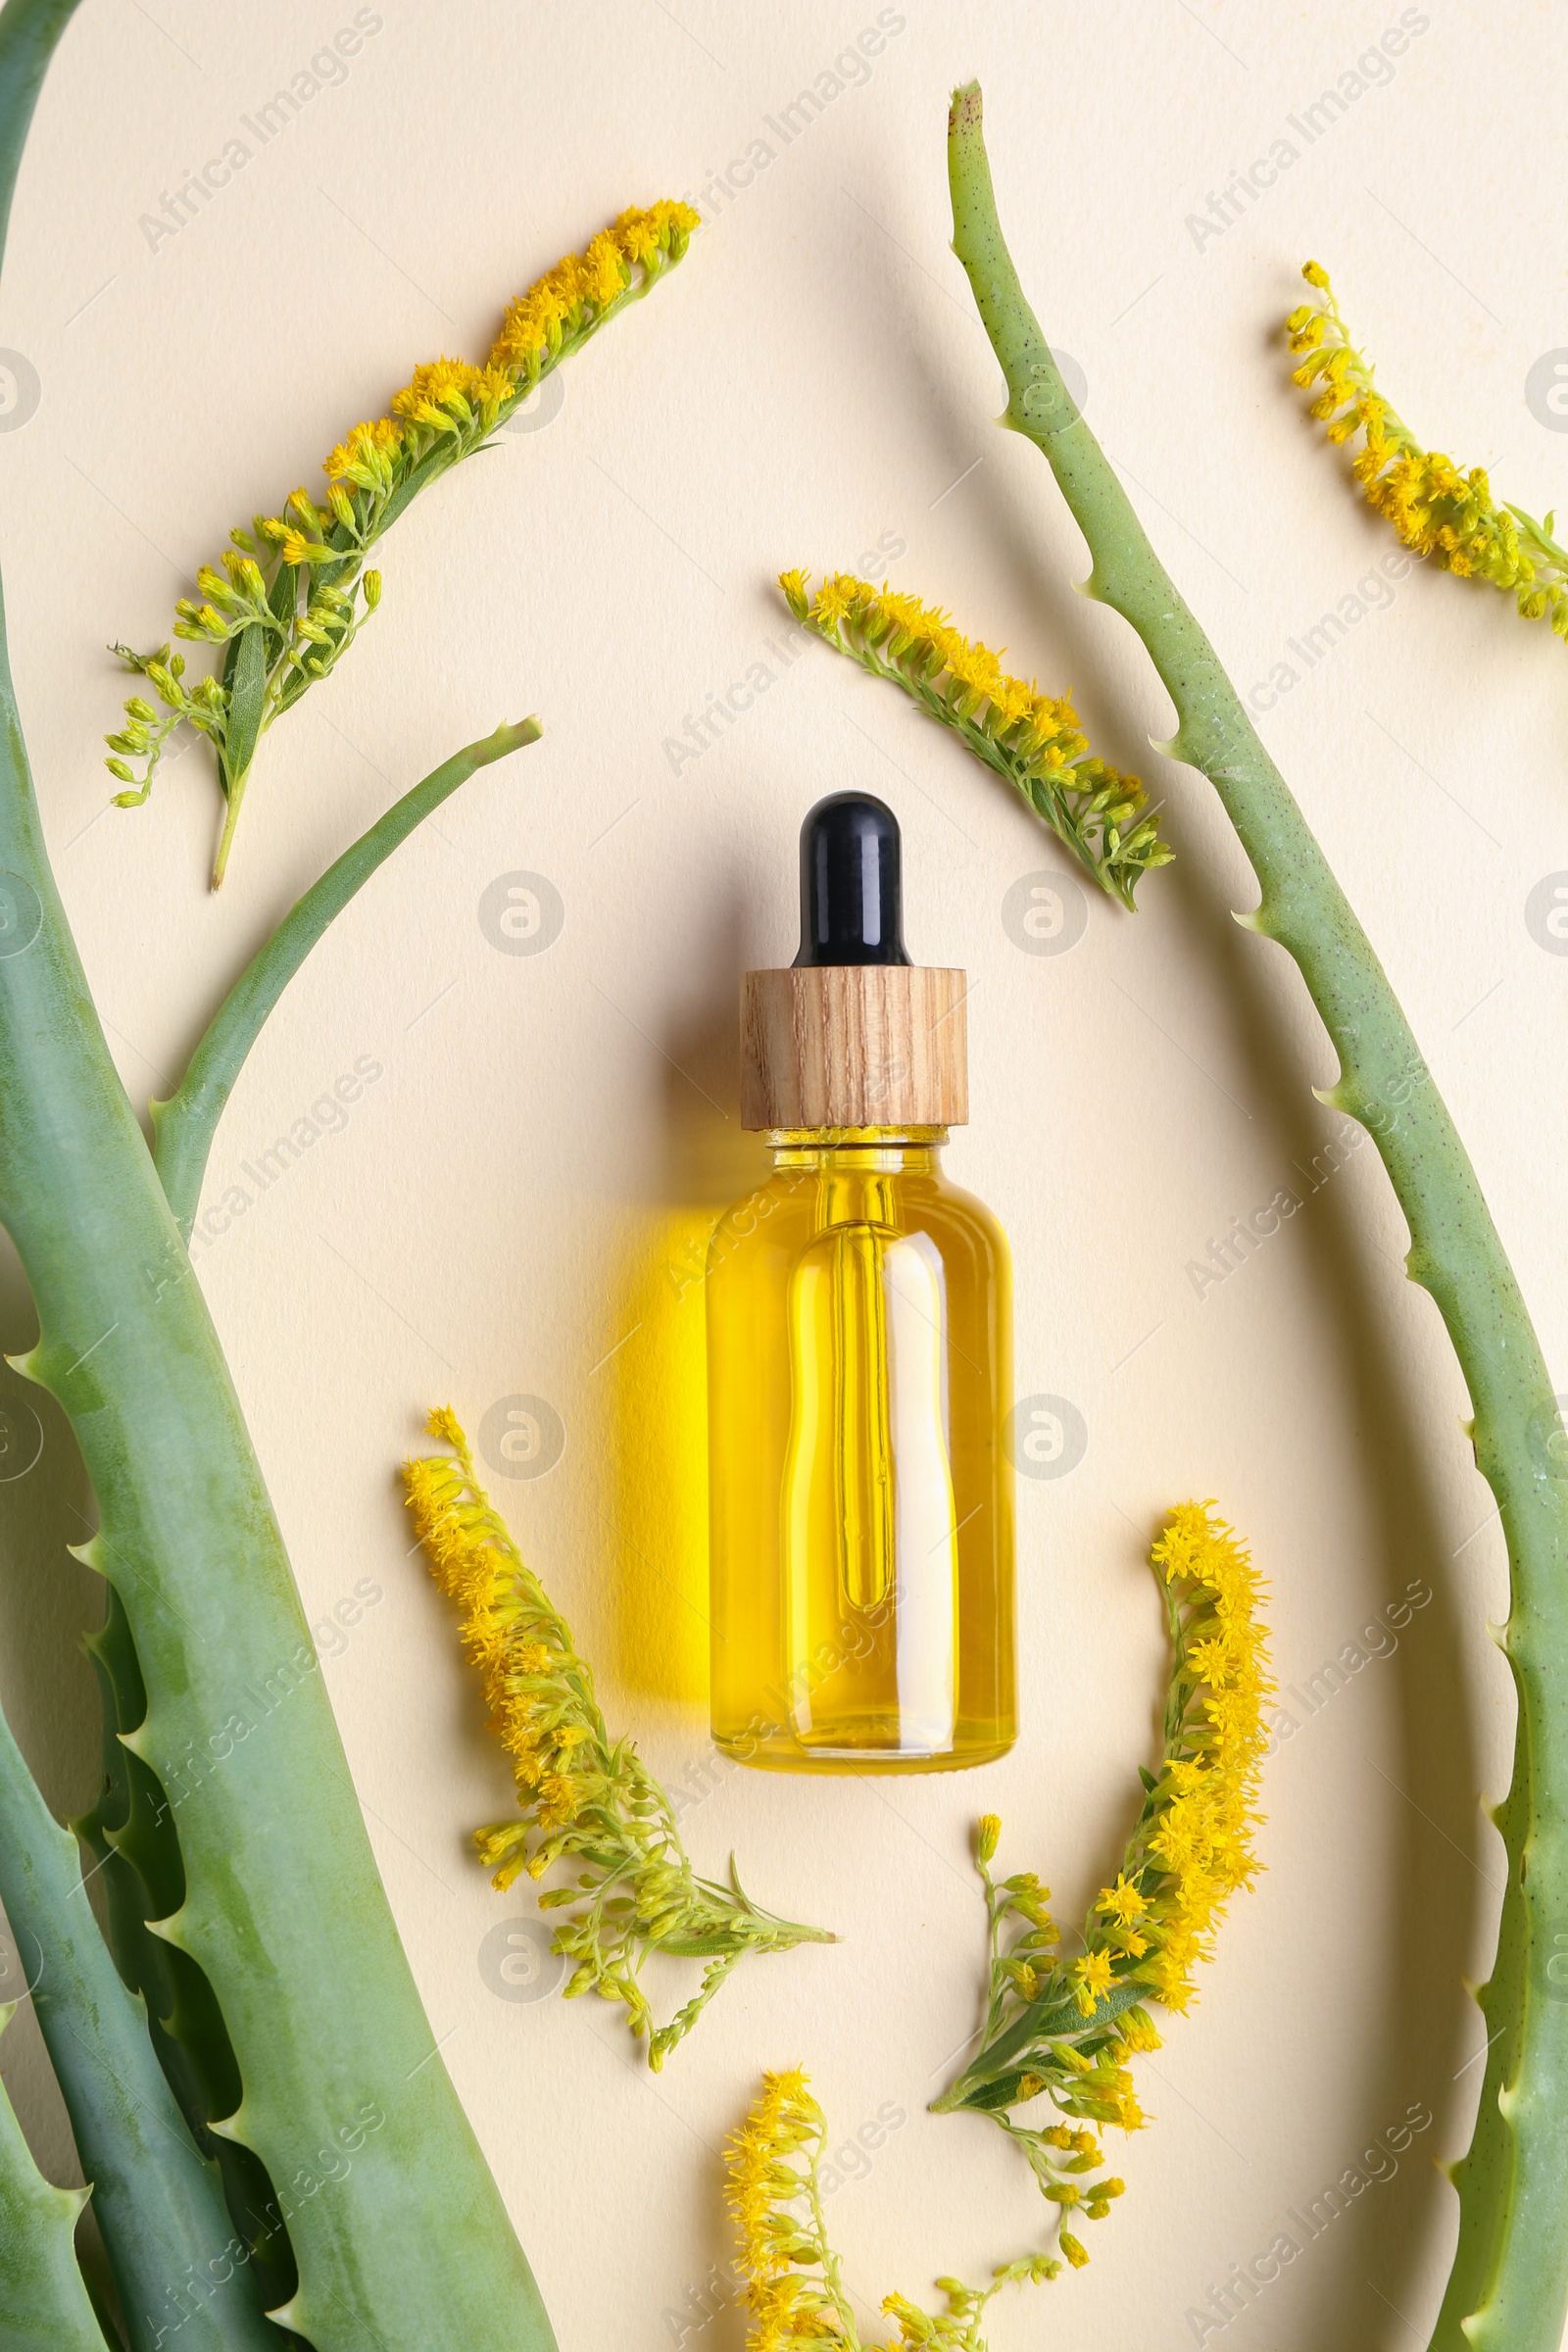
column 290, row 592
column 1032, row 739
column 1064, row 2030
column 583, row 1798
column 794, row 2279
column 1438, row 510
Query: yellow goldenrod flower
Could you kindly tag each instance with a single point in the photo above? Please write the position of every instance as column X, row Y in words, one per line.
column 364, row 457
column 1129, row 2116
column 581, row 1796
column 582, row 286
column 1121, row 1902
column 1442, row 515
column 447, row 410
column 1032, row 739
column 1092, row 1976
column 793, row 2279
column 793, row 2282
column 1066, row 2029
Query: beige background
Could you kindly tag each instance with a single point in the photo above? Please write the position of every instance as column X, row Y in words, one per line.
column 548, row 1133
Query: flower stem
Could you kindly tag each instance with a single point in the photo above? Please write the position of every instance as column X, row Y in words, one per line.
column 232, row 799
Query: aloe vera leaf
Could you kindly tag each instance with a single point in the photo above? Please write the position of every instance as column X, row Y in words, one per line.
column 44, row 2304
column 129, row 1831
column 400, row 2233
column 159, row 2204
column 184, row 1124
column 29, row 31
column 394, row 2218
column 1509, row 2282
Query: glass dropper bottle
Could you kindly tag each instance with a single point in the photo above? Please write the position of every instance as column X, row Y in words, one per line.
column 860, row 1357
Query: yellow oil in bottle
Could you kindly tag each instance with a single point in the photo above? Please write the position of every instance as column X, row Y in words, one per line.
column 860, row 1523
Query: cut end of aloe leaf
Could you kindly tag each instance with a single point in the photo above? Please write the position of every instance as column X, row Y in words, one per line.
column 511, row 735
column 965, row 111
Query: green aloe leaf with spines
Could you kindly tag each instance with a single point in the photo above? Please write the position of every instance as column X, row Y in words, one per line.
column 157, row 2201
column 345, row 2101
column 343, row 2090
column 130, row 1831
column 44, row 2303
column 1508, row 2289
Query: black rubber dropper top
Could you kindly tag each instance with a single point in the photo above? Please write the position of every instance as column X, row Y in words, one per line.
column 852, row 900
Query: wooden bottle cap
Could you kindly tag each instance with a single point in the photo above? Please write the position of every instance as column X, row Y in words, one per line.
column 854, row 1045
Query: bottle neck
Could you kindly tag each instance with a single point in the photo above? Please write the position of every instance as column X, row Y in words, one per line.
column 869, row 1151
